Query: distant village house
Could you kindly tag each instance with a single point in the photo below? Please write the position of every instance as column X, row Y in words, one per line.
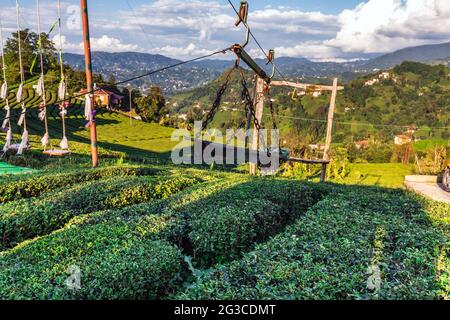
column 317, row 147
column 361, row 145
column 104, row 98
column 402, row 139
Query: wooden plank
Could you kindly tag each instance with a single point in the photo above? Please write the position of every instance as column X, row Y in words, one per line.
column 326, row 154
column 307, row 161
column 304, row 85
column 259, row 109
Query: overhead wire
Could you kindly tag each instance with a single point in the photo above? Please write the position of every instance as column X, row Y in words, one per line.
column 258, row 42
column 178, row 64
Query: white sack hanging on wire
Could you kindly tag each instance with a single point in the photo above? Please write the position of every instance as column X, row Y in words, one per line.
column 42, row 112
column 24, row 143
column 62, row 90
column 9, row 138
column 63, row 111
column 7, row 117
column 64, row 143
column 22, row 116
column 19, row 93
column 40, row 86
column 45, row 140
column 88, row 107
column 4, row 91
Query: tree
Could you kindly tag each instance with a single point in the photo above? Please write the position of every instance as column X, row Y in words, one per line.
column 152, row 107
column 112, row 80
column 30, row 49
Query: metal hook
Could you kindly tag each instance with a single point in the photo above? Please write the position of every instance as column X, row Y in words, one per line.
column 271, row 59
column 242, row 18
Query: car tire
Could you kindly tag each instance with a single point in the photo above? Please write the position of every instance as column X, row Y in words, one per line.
column 446, row 180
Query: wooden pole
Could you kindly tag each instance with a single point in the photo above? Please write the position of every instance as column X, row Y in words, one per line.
column 250, row 116
column 89, row 81
column 259, row 109
column 130, row 91
column 326, row 154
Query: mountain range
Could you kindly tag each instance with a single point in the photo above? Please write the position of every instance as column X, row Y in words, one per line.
column 186, row 77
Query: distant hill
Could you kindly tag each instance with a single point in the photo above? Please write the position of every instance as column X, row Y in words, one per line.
column 127, row 65
column 184, row 78
column 424, row 54
column 413, row 93
column 187, row 77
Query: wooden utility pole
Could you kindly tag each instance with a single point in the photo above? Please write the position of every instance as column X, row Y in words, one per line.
column 130, row 91
column 259, row 109
column 326, row 154
column 89, row 81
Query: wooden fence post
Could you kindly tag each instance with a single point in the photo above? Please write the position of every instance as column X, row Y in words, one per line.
column 326, row 155
column 259, row 109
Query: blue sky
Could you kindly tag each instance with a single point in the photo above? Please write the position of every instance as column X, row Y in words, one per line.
column 321, row 30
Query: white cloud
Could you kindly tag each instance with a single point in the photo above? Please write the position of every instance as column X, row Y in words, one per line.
column 110, row 44
column 311, row 50
column 103, row 43
column 184, row 29
column 386, row 25
column 183, row 52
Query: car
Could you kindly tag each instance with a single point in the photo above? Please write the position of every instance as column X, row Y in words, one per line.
column 446, row 177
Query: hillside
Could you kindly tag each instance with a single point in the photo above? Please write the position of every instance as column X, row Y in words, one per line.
column 414, row 94
column 425, row 54
column 129, row 64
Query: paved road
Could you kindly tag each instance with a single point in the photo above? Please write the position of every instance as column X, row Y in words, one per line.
column 429, row 190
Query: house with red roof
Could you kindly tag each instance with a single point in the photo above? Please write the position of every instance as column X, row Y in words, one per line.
column 103, row 97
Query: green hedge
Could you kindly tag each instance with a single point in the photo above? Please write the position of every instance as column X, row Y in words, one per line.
column 227, row 224
column 115, row 262
column 37, row 185
column 27, row 219
column 335, row 252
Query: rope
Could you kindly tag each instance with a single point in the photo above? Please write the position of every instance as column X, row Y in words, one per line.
column 41, row 82
column 62, row 90
column 4, row 93
column 23, row 118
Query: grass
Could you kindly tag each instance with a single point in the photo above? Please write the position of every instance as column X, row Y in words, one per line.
column 390, row 175
column 429, row 144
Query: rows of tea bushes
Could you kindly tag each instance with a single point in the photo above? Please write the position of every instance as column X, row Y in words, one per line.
column 35, row 185
column 29, row 218
column 359, row 244
column 114, row 263
column 173, row 225
column 235, row 237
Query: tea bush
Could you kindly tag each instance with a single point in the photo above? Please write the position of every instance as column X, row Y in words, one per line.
column 231, row 237
column 114, row 263
column 225, row 225
column 37, row 185
column 27, row 219
column 336, row 250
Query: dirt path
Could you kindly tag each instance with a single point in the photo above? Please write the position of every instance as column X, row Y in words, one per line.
column 427, row 186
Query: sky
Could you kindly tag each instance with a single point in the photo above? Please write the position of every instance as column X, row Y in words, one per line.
column 320, row 30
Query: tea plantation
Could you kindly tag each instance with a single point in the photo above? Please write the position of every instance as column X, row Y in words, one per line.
column 141, row 228
column 161, row 232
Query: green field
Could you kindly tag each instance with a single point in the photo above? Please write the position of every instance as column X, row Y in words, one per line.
column 390, row 175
